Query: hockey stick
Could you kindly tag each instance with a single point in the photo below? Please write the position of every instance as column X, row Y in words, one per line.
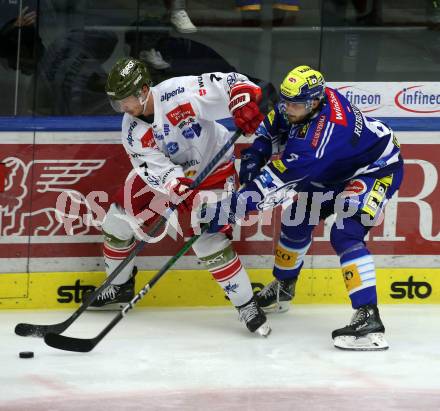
column 35, row 330
column 63, row 342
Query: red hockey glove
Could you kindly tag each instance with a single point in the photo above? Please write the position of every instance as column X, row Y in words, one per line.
column 181, row 195
column 243, row 106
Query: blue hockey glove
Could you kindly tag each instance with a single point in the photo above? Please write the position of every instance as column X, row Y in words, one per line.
column 251, row 162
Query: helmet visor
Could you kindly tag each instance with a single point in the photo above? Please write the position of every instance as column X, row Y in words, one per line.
column 125, row 105
column 284, row 103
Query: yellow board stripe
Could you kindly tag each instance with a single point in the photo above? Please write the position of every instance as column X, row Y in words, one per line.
column 189, row 288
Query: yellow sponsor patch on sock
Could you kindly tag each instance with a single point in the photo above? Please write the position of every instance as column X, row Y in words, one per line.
column 351, row 276
column 285, row 258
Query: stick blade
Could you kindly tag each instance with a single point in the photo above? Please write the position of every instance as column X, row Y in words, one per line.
column 35, row 330
column 31, row 330
column 65, row 343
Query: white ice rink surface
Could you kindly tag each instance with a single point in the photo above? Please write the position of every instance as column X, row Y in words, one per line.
column 204, row 359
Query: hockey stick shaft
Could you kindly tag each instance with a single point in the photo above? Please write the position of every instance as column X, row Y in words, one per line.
column 24, row 329
column 63, row 342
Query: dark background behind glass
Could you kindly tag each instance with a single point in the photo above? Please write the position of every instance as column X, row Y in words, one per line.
column 64, row 56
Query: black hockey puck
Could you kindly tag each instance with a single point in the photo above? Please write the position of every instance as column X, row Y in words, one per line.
column 26, row 354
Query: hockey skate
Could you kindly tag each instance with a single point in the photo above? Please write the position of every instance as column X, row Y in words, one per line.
column 276, row 296
column 113, row 297
column 254, row 318
column 364, row 333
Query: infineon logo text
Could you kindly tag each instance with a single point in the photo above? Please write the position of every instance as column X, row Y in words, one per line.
column 418, row 99
column 366, row 101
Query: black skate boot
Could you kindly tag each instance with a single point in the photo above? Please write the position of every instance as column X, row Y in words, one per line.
column 254, row 318
column 276, row 296
column 364, row 333
column 113, row 297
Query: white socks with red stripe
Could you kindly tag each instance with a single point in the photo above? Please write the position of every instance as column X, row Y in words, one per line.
column 113, row 257
column 226, row 268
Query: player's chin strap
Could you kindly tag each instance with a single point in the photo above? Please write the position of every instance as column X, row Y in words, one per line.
column 144, row 102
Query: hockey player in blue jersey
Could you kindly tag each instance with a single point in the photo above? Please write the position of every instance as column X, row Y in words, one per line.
column 334, row 160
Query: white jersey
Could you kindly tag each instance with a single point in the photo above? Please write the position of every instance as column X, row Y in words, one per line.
column 184, row 136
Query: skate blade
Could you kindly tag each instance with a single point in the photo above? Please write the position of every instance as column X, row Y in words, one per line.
column 264, row 330
column 369, row 342
column 279, row 307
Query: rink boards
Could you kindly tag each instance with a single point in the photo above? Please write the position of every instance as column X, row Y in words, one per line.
column 57, row 186
column 188, row 288
column 51, row 251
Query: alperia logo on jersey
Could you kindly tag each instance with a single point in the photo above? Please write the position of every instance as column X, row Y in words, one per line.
column 133, row 124
column 168, row 95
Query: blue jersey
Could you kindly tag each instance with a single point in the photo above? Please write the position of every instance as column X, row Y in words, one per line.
column 337, row 144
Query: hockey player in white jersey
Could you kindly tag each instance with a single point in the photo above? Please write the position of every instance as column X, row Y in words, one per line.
column 170, row 133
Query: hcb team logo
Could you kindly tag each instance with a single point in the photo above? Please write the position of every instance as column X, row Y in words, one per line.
column 51, row 178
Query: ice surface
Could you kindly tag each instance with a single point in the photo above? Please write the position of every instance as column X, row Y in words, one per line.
column 204, row 359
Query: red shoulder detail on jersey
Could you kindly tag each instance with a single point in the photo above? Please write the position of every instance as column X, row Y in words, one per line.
column 180, row 113
column 337, row 114
column 147, row 139
column 318, row 131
